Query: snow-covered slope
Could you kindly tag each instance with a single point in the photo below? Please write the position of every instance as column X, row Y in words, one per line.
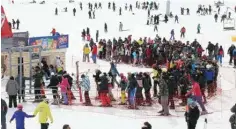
column 40, row 19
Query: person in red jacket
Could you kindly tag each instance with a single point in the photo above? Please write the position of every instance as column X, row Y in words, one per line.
column 182, row 31
column 94, row 54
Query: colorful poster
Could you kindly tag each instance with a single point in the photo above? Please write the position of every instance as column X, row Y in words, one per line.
column 50, row 42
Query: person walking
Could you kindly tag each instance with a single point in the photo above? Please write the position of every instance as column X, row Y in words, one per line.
column 3, row 113
column 12, row 88
column 44, row 113
column 20, row 116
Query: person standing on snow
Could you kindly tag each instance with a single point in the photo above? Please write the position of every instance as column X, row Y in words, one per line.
column 85, row 84
column 20, row 116
column 17, row 24
column 114, row 73
column 105, row 28
column 216, row 17
column 155, row 28
column 192, row 114
column 232, row 118
column 220, row 55
column 121, row 26
column 56, row 11
column 172, row 35
column 132, row 87
column 120, row 11
column 74, row 11
column 230, row 52
column 94, row 53
column 97, row 35
column 44, row 113
column 176, row 19
column 182, row 31
column 90, row 14
column 130, row 7
column 12, row 88
column 198, row 28
column 13, row 23
column 164, row 93
column 3, row 113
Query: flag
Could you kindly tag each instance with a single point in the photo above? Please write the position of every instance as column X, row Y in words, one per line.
column 5, row 27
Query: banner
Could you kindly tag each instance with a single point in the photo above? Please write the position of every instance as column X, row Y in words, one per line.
column 19, row 39
column 5, row 28
column 50, row 42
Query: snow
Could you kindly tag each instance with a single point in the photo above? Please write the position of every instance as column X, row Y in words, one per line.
column 40, row 19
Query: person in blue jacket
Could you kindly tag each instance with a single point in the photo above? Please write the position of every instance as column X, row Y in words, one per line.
column 209, row 75
column 20, row 116
column 114, row 72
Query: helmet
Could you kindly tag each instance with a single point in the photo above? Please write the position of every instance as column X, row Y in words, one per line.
column 19, row 106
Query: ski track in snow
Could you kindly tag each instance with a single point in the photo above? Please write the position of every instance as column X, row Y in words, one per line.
column 40, row 19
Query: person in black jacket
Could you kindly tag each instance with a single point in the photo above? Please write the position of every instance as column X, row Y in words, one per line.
column 54, row 81
column 232, row 119
column 17, row 24
column 45, row 68
column 230, row 52
column 132, row 86
column 147, row 84
column 38, row 77
column 74, row 11
column 192, row 114
column 3, row 113
column 202, row 83
column 97, row 35
column 103, row 88
column 96, row 78
column 105, row 28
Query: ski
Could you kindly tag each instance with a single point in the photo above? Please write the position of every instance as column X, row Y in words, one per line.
column 77, row 81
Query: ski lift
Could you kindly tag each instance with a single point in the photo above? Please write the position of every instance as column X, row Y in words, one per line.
column 229, row 24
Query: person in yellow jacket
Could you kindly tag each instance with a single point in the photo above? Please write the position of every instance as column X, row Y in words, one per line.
column 86, row 52
column 44, row 113
column 155, row 78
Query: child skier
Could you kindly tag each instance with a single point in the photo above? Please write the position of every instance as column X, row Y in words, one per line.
column 64, row 85
column 20, row 116
column 123, row 85
column 85, row 84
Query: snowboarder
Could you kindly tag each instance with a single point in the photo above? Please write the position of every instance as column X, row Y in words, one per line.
column 56, row 11
column 17, row 24
column 90, row 15
column 192, row 114
column 20, row 116
column 216, row 17
column 44, row 113
column 121, row 26
column 97, row 35
column 74, row 11
column 120, row 10
column 182, row 31
column 105, row 28
column 176, row 19
column 3, row 113
column 198, row 28
column 13, row 23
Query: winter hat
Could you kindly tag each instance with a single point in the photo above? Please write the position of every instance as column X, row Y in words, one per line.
column 19, row 106
column 191, row 103
column 66, row 126
column 148, row 125
column 82, row 76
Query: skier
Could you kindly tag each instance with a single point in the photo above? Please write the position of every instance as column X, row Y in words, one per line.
column 120, row 27
column 232, row 119
column 95, row 6
column 109, row 5
column 148, row 12
column 85, row 84
column 88, row 31
column 216, row 17
column 182, row 11
column 198, row 28
column 210, row 9
column 130, row 7
column 192, row 114
column 114, row 7
column 147, row 84
column 176, row 19
column 20, row 116
column 105, row 28
column 54, row 81
column 56, row 11
column 182, row 31
column 155, row 28
column 166, row 19
column 90, row 15
column 94, row 53
column 74, row 11
column 11, row 88
column 103, row 89
column 114, row 73
column 81, row 6
column 188, row 11
column 126, row 7
column 120, row 10
column 3, row 113
column 13, row 23
column 44, row 113
column 97, row 35
column 139, row 94
column 172, row 35
column 17, row 24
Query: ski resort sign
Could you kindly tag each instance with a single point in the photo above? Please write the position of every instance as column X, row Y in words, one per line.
column 50, row 42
